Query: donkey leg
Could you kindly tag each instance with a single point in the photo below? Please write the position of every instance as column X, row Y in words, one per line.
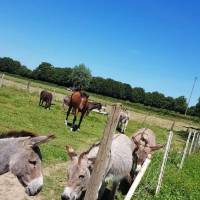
column 114, row 189
column 40, row 101
column 46, row 105
column 68, row 112
column 102, row 190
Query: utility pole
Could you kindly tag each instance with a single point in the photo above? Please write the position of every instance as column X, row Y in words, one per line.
column 195, row 80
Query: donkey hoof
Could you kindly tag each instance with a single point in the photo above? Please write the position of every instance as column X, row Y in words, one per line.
column 65, row 122
column 78, row 129
column 71, row 129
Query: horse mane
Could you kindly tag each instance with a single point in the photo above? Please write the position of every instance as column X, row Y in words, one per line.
column 17, row 134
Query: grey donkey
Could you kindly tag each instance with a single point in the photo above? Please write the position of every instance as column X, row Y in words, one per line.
column 20, row 154
column 123, row 121
column 80, row 168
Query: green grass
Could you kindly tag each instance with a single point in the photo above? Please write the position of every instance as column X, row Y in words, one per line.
column 136, row 107
column 19, row 110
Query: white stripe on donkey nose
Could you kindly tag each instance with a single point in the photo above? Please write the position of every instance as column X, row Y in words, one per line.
column 67, row 192
column 34, row 186
column 138, row 168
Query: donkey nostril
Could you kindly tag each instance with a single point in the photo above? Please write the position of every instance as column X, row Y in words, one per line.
column 28, row 191
column 63, row 197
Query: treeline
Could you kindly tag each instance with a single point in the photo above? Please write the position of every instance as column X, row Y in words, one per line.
column 80, row 76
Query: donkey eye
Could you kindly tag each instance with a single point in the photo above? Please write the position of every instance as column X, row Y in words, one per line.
column 33, row 162
column 81, row 176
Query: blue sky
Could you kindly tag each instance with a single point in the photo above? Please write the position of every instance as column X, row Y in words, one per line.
column 154, row 44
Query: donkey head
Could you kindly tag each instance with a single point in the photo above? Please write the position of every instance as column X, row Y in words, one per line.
column 79, row 171
column 143, row 150
column 25, row 163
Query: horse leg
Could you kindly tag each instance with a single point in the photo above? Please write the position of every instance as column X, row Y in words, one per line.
column 81, row 118
column 68, row 112
column 74, row 120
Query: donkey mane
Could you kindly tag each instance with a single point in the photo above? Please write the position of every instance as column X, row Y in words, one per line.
column 86, row 152
column 17, row 134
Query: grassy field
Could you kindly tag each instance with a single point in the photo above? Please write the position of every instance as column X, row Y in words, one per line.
column 139, row 108
column 19, row 110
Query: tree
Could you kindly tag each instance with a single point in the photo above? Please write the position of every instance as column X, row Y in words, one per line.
column 44, row 72
column 14, row 67
column 197, row 109
column 81, row 76
column 180, row 104
column 169, row 103
column 138, row 95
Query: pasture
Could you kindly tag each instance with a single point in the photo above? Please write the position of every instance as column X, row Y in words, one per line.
column 19, row 110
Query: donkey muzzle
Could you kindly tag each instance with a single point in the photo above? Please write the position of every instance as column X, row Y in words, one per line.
column 34, row 187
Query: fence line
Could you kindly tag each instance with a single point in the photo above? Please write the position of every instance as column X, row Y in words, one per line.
column 28, row 86
column 185, row 150
column 196, row 143
column 138, row 179
column 2, row 77
column 193, row 143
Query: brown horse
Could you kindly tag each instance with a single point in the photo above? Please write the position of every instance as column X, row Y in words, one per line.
column 79, row 103
column 46, row 97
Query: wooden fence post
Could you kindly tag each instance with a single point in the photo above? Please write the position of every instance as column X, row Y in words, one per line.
column 196, row 142
column 185, row 150
column 137, row 179
column 165, row 157
column 28, row 86
column 193, row 143
column 98, row 173
column 2, row 76
column 54, row 94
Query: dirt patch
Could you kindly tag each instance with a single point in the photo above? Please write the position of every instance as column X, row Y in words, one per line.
column 163, row 123
column 11, row 189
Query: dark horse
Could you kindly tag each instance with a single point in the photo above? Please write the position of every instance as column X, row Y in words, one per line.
column 79, row 103
column 93, row 105
column 46, row 97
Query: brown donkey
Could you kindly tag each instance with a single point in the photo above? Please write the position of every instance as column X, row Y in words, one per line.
column 79, row 103
column 46, row 97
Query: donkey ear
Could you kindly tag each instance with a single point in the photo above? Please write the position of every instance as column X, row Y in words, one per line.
column 71, row 153
column 156, row 147
column 35, row 141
